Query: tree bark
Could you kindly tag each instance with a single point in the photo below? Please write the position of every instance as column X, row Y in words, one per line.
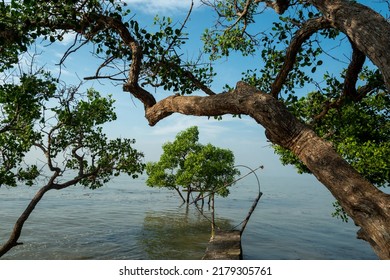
column 368, row 30
column 370, row 33
column 364, row 203
column 17, row 230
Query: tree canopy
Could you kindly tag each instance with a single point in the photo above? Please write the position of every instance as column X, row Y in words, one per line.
column 358, row 131
column 338, row 130
column 21, row 107
column 67, row 129
column 187, row 164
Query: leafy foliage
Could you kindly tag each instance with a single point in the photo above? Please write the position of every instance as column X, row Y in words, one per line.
column 357, row 127
column 164, row 172
column 210, row 170
column 21, row 107
column 70, row 135
column 230, row 34
column 78, row 136
column 358, row 131
column 187, row 163
column 164, row 66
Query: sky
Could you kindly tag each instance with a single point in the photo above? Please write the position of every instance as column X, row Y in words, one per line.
column 243, row 136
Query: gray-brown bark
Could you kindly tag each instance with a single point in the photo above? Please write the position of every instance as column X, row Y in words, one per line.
column 366, row 205
column 17, row 230
column 370, row 34
column 18, row 226
column 368, row 30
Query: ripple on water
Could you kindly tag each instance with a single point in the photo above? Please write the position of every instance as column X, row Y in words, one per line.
column 127, row 220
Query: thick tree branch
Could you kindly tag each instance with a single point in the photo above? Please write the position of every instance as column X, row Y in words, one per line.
column 136, row 52
column 308, row 28
column 364, row 203
column 350, row 91
column 245, row 100
column 141, row 94
column 99, row 23
column 352, row 74
column 367, row 29
column 132, row 84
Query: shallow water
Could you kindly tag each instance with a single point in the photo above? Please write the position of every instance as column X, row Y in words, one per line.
column 127, row 220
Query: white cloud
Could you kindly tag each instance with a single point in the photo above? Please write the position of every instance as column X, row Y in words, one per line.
column 161, row 6
column 68, row 38
column 242, row 136
column 176, row 123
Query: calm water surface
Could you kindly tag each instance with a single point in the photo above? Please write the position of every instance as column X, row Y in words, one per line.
column 127, row 220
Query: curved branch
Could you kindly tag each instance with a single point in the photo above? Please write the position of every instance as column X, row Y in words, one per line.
column 350, row 92
column 367, row 29
column 363, row 202
column 352, row 74
column 308, row 28
column 244, row 99
column 136, row 59
column 132, row 84
column 103, row 22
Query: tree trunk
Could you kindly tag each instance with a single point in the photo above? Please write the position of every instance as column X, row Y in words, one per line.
column 179, row 192
column 364, row 203
column 189, row 190
column 17, row 230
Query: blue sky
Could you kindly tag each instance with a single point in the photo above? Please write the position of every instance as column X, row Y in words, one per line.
column 243, row 136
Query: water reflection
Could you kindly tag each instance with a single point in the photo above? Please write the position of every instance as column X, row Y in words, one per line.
column 127, row 220
column 181, row 234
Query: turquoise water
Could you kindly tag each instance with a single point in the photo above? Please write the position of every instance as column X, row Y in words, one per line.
column 127, row 220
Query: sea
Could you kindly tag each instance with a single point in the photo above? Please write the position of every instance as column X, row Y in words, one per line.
column 125, row 219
